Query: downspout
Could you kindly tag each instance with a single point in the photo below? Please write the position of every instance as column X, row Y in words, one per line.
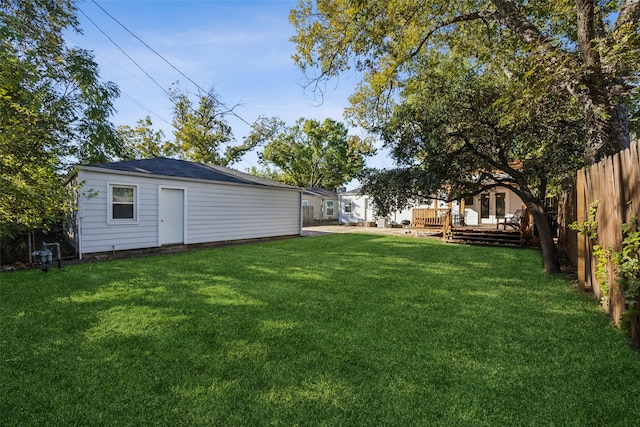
column 300, row 212
column 79, row 237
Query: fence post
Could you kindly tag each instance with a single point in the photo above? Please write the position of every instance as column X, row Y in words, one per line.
column 580, row 217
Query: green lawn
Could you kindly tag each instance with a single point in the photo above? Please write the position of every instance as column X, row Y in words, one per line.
column 350, row 329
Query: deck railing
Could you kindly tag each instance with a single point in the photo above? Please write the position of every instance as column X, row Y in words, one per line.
column 428, row 217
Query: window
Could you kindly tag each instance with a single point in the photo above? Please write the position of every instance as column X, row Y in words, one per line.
column 468, row 201
column 305, row 203
column 122, row 203
column 329, row 204
column 348, row 204
column 500, row 205
column 484, row 206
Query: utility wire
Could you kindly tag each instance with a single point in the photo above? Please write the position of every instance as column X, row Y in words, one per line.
column 123, row 93
column 125, row 53
column 229, row 110
column 147, row 46
column 139, row 104
column 124, row 70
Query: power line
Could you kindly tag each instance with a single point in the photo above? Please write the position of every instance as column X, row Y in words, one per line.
column 229, row 110
column 136, row 76
column 139, row 104
column 123, row 93
column 125, row 53
column 147, row 46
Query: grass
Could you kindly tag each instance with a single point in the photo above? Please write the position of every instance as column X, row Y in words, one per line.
column 334, row 330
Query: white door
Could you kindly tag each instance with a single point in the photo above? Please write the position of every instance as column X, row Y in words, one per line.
column 171, row 216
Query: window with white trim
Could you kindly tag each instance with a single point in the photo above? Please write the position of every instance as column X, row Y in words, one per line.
column 122, row 203
column 329, row 204
column 348, row 205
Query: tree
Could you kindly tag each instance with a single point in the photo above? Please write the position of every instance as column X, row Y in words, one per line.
column 314, row 154
column 266, row 172
column 53, row 109
column 142, row 142
column 201, row 133
column 452, row 131
column 585, row 48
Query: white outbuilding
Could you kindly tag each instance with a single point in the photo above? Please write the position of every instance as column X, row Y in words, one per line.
column 156, row 202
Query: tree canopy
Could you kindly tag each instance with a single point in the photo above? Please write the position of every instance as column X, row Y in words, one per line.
column 53, row 108
column 450, row 132
column 474, row 93
column 315, row 154
column 585, row 48
column 142, row 141
column 200, row 133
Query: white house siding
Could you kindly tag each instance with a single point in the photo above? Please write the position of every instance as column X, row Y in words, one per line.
column 96, row 235
column 473, row 211
column 217, row 212
column 214, row 212
column 319, row 207
column 361, row 209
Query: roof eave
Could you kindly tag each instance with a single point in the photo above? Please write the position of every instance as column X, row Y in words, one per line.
column 179, row 178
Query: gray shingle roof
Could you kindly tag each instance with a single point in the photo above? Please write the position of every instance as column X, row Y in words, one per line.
column 319, row 192
column 354, row 192
column 163, row 166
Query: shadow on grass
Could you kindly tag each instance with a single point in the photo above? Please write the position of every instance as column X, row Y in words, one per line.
column 336, row 330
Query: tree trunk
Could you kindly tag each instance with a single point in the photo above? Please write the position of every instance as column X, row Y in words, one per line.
column 607, row 117
column 608, row 135
column 620, row 126
column 547, row 245
column 536, row 206
column 600, row 90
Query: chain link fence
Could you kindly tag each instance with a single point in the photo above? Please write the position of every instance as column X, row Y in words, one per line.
column 17, row 251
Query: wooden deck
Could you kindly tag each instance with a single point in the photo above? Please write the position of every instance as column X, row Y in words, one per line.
column 485, row 236
column 439, row 222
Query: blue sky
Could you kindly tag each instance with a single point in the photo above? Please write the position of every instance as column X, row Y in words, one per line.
column 241, row 48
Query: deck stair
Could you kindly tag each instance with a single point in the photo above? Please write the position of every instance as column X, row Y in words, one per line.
column 485, row 237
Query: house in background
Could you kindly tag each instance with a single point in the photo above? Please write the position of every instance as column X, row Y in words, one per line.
column 155, row 202
column 356, row 208
column 489, row 207
column 324, row 203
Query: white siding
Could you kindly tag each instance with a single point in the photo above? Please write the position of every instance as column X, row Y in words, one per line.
column 512, row 203
column 361, row 209
column 359, row 213
column 215, row 212
column 319, row 207
column 224, row 212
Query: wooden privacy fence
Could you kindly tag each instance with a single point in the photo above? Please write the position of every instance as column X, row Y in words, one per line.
column 307, row 215
column 614, row 183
